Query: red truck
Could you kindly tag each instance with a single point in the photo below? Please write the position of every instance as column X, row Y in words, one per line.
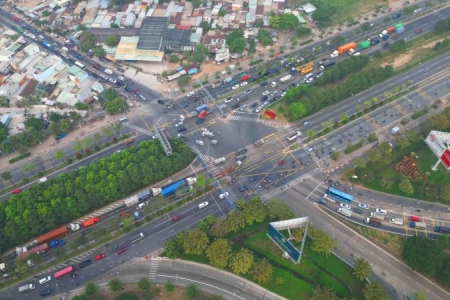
column 39, row 249
column 53, row 235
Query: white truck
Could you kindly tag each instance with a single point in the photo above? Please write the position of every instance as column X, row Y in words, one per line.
column 345, row 211
column 74, row 226
column 208, row 134
column 20, row 250
column 219, row 161
column 131, row 201
column 286, row 78
column 377, row 215
column 396, row 221
column 191, row 180
column 334, row 54
column 27, row 287
column 273, row 84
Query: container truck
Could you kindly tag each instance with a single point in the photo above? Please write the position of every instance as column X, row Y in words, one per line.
column 307, row 69
column 170, row 190
column 364, row 45
column 38, row 250
column 442, row 229
column 26, row 287
column 399, row 30
column 199, row 109
column 396, row 221
column 53, row 235
column 131, row 201
column 344, row 211
column 144, row 195
column 373, row 222
column 398, row 25
column 417, row 225
column 326, row 64
column 285, row 78
column 377, row 215
column 219, row 161
column 343, row 49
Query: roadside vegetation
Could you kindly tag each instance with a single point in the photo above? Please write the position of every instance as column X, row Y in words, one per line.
column 330, row 89
column 405, row 169
column 46, row 206
column 239, row 244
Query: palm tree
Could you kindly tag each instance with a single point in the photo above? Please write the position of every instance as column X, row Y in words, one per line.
column 28, row 168
column 7, row 176
column 59, row 155
column 362, row 269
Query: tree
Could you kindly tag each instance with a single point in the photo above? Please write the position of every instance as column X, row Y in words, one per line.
column 111, row 94
column 169, row 287
column 362, row 269
column 216, row 297
column 112, row 40
column 21, row 266
column 115, row 285
column 296, row 111
column 375, row 291
column 60, row 252
column 403, row 142
column 115, row 106
column 184, row 80
column 322, row 242
column 145, row 285
column 279, row 210
column 374, row 155
column 419, row 296
column 323, row 293
column 398, row 46
column 91, row 289
column 192, row 292
column 360, row 163
column 173, row 58
column 445, row 193
column 344, row 117
column 235, row 41
column 262, row 271
column 385, row 148
column 302, row 32
column 7, row 176
column 86, row 41
column 242, row 261
column 378, row 54
column 406, row 186
column 205, row 26
column 335, row 155
column 195, row 242
column 311, row 134
column 99, row 51
column 125, row 296
column 283, row 21
column 219, row 253
column 59, row 155
column 438, row 122
column 387, row 180
column 28, row 168
column 264, row 37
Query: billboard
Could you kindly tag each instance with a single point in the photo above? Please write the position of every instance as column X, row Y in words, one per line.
column 438, row 142
column 283, row 243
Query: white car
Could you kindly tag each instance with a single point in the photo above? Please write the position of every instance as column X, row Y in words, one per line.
column 381, row 211
column 205, row 130
column 199, row 142
column 112, row 80
column 266, row 93
column 190, row 94
column 248, row 91
column 311, row 79
column 235, row 87
column 45, row 279
column 345, row 205
column 179, row 124
column 229, row 99
column 258, row 109
column 222, row 196
column 283, row 94
column 244, row 83
column 121, row 78
column 362, row 205
column 118, row 151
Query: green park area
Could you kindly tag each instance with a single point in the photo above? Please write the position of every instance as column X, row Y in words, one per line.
column 247, row 251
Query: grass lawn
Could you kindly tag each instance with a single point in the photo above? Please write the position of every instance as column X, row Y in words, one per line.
column 426, row 159
column 289, row 280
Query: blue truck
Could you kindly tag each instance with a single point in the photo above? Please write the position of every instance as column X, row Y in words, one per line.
column 47, row 45
column 170, row 190
column 199, row 109
column 56, row 243
column 442, row 229
column 193, row 71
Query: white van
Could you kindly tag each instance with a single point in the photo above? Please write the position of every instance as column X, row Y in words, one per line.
column 108, row 71
column 42, row 180
column 203, row 205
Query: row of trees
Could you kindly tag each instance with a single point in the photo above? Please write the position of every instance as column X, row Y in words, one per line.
column 48, row 205
column 308, row 99
column 115, row 285
column 343, row 69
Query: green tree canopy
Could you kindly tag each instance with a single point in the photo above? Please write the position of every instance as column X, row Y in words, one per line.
column 297, row 110
column 375, row 291
column 262, row 271
column 264, row 37
column 242, row 261
column 423, row 256
column 219, row 253
column 86, row 41
column 112, row 40
column 362, row 269
column 283, row 21
column 195, row 241
column 235, row 41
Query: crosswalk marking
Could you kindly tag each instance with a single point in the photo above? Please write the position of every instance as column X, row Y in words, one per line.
column 231, row 195
column 272, row 193
column 243, row 118
column 153, row 269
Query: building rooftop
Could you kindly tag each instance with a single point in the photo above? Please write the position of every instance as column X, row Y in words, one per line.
column 152, row 32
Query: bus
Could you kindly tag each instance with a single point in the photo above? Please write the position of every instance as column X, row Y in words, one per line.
column 339, row 195
column 137, row 237
column 64, row 272
column 77, row 63
column 294, row 136
column 90, row 222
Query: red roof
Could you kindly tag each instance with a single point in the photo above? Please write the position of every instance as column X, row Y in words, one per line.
column 183, row 27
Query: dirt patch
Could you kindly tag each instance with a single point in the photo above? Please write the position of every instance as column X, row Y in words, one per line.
column 403, row 59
